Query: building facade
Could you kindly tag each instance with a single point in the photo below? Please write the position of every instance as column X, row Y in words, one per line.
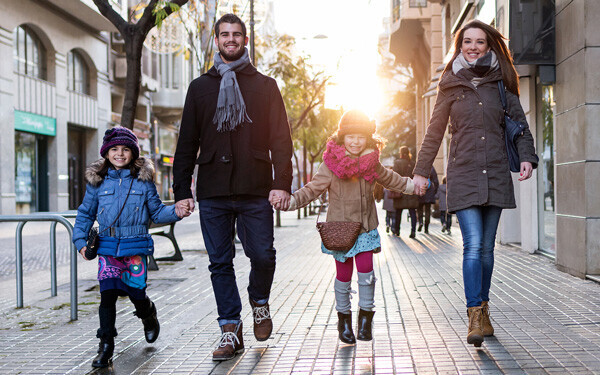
column 553, row 44
column 62, row 79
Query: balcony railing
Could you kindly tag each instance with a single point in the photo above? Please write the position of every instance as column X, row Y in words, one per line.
column 83, row 110
column 35, row 95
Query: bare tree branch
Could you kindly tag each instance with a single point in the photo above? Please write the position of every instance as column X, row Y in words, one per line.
column 107, row 11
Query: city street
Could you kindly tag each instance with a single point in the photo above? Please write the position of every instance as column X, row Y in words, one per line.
column 546, row 321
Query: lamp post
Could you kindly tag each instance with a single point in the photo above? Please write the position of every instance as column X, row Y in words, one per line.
column 252, row 54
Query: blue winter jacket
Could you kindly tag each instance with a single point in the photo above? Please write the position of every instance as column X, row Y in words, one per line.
column 103, row 200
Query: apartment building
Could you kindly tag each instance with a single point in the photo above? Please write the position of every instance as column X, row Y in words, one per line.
column 554, row 46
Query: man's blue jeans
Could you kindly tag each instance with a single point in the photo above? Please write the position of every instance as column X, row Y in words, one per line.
column 478, row 225
column 254, row 217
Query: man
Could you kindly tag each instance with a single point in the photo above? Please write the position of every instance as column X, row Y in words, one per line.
column 236, row 117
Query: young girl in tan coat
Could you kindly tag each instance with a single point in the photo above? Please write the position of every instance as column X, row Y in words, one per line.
column 349, row 172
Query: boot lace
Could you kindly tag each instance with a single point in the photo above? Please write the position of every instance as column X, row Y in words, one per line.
column 228, row 338
column 261, row 313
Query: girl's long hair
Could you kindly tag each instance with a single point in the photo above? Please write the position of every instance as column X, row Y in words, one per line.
column 134, row 169
column 496, row 42
column 373, row 140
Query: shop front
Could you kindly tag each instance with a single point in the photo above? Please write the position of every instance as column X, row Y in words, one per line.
column 32, row 134
column 167, row 142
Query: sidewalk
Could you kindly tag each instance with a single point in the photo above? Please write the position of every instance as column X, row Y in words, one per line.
column 546, row 321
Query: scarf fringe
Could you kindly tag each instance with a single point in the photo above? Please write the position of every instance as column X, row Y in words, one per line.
column 229, row 117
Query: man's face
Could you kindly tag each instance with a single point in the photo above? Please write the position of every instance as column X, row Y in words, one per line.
column 230, row 41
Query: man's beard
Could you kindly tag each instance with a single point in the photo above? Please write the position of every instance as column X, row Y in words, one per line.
column 231, row 57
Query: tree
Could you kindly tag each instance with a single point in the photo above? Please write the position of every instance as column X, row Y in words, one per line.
column 134, row 34
column 398, row 126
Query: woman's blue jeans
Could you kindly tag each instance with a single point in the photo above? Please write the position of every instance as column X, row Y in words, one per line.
column 478, row 225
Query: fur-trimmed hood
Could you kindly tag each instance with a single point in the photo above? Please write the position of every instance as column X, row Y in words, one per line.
column 145, row 166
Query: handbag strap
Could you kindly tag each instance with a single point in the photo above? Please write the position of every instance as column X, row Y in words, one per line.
column 121, row 211
column 502, row 91
column 361, row 223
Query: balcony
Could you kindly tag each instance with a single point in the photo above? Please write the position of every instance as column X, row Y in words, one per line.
column 87, row 12
column 35, row 95
column 407, row 31
column 83, row 110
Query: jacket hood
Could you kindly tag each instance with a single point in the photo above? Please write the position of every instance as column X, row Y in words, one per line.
column 145, row 166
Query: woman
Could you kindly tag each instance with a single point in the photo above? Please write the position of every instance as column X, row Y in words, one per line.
column 404, row 167
column 478, row 175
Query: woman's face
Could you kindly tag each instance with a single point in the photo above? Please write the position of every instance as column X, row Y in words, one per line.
column 474, row 44
column 355, row 143
column 119, row 156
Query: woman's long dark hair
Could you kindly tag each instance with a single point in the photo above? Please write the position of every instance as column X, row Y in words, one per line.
column 496, row 42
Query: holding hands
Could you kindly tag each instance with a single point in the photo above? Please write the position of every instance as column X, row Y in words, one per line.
column 279, row 199
column 421, row 184
column 184, row 207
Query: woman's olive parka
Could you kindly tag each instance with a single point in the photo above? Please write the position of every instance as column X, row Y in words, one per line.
column 478, row 172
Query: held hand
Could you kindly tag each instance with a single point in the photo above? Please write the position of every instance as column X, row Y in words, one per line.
column 526, row 171
column 280, row 199
column 420, row 184
column 82, row 252
column 184, row 207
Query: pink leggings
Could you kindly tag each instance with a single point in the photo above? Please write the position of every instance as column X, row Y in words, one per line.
column 364, row 264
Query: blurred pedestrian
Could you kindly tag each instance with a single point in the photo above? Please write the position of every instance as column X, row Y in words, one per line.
column 404, row 167
column 122, row 197
column 234, row 128
column 390, row 211
column 349, row 171
column 426, row 200
column 445, row 216
column 479, row 180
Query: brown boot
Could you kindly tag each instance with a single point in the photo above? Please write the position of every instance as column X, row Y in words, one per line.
column 231, row 342
column 486, row 324
column 263, row 325
column 475, row 335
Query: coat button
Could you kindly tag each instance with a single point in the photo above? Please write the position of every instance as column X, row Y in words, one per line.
column 484, row 171
column 480, row 103
column 225, row 159
column 483, row 138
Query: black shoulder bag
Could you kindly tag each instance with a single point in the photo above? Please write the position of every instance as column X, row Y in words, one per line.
column 512, row 130
column 93, row 240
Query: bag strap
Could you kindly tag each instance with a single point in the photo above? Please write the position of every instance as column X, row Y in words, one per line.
column 502, row 91
column 122, row 208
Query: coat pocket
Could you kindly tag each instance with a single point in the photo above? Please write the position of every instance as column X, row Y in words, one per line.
column 262, row 155
column 205, row 157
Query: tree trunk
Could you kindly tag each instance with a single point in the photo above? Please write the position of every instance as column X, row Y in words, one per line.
column 133, row 46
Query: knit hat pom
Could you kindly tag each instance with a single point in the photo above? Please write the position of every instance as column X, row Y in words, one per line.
column 355, row 121
column 120, row 136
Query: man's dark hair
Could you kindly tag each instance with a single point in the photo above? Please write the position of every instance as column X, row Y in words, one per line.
column 230, row 18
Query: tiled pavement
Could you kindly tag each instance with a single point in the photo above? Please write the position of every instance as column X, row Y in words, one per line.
column 546, row 321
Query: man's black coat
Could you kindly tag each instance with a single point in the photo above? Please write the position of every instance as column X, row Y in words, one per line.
column 251, row 160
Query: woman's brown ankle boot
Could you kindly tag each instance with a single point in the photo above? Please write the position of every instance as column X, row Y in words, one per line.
column 486, row 324
column 475, row 335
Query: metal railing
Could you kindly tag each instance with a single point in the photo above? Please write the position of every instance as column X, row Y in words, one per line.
column 55, row 219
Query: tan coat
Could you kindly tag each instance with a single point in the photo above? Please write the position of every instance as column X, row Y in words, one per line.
column 345, row 200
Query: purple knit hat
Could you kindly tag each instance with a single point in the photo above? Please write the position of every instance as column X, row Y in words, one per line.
column 120, row 136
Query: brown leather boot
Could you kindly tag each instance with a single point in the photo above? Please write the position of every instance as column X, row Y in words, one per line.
column 231, row 342
column 263, row 325
column 486, row 324
column 475, row 335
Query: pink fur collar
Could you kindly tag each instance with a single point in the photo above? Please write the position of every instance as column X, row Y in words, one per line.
column 344, row 166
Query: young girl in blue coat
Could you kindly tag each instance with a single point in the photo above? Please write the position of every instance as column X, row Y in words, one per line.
column 121, row 182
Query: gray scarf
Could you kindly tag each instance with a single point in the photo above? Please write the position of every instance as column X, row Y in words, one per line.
column 476, row 70
column 231, row 109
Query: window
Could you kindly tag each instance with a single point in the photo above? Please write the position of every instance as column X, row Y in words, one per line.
column 417, row 3
column 78, row 73
column 29, row 55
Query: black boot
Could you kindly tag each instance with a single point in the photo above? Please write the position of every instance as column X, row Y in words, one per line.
column 365, row 320
column 105, row 353
column 345, row 328
column 150, row 321
column 412, row 234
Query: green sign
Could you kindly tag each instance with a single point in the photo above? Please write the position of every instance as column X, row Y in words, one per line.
column 30, row 122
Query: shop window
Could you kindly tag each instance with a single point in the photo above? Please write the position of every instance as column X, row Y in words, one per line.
column 29, row 54
column 78, row 73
